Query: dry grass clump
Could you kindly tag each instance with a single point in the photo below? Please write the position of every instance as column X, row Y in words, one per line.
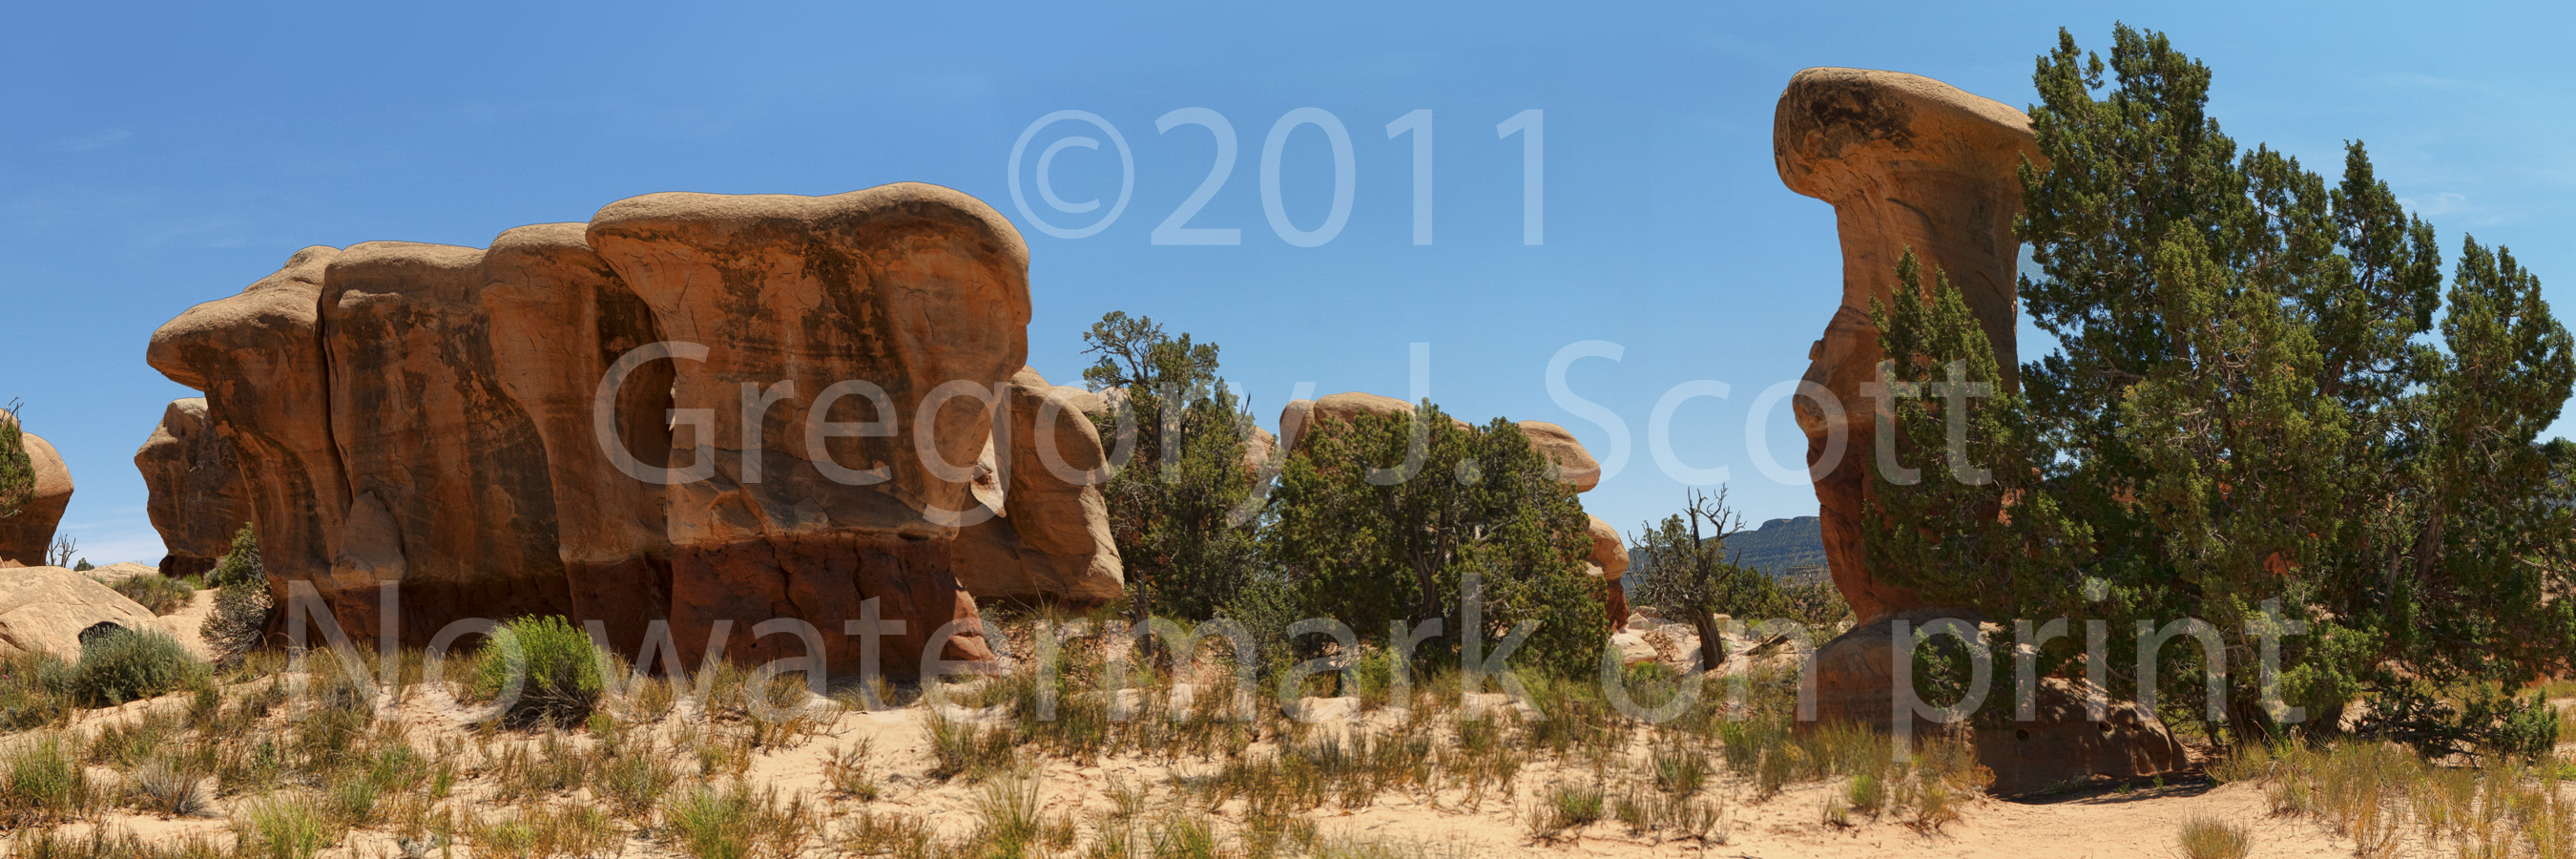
column 547, row 832
column 2212, row 838
column 2381, row 794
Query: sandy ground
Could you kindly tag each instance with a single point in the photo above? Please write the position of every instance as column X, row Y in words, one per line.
column 2113, row 823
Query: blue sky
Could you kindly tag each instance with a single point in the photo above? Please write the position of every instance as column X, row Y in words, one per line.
column 159, row 156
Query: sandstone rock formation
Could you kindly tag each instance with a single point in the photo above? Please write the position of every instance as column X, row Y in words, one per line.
column 258, row 358
column 481, row 426
column 25, row 537
column 560, row 320
column 1854, row 679
column 1609, row 560
column 195, row 494
column 45, row 608
column 1907, row 162
column 903, row 305
column 1573, row 464
column 1050, row 540
column 1912, row 163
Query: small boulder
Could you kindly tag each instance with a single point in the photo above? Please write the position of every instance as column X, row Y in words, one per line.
column 50, row 608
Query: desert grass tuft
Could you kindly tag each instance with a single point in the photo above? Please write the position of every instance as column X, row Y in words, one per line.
column 737, row 822
column 45, row 784
column 2212, row 838
column 1565, row 808
column 169, row 789
column 280, row 827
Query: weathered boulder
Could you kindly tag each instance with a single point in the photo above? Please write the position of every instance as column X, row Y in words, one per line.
column 259, row 359
column 194, row 490
column 46, row 608
column 1566, row 456
column 25, row 537
column 1855, row 684
column 1907, row 162
column 1051, row 540
column 1609, row 560
column 898, row 306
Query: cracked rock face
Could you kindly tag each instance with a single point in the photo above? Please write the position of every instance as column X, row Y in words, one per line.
column 476, row 425
column 1908, row 162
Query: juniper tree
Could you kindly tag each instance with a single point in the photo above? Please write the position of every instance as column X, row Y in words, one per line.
column 2262, row 393
column 1177, row 507
column 1400, row 546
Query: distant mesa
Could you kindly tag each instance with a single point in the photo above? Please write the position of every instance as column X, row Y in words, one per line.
column 1782, row 548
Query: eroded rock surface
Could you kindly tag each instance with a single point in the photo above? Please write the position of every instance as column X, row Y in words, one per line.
column 258, row 358
column 1907, row 162
column 193, row 480
column 483, row 427
column 1051, row 539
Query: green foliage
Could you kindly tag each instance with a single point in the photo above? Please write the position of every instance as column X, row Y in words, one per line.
column 242, row 599
column 84, row 566
column 2251, row 401
column 242, row 565
column 17, row 473
column 132, row 665
column 1181, row 508
column 155, row 592
column 35, row 690
column 1371, row 547
column 561, row 671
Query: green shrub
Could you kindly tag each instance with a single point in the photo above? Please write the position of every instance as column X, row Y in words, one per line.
column 158, row 593
column 17, row 473
column 242, row 601
column 561, row 667
column 132, row 665
column 242, row 565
